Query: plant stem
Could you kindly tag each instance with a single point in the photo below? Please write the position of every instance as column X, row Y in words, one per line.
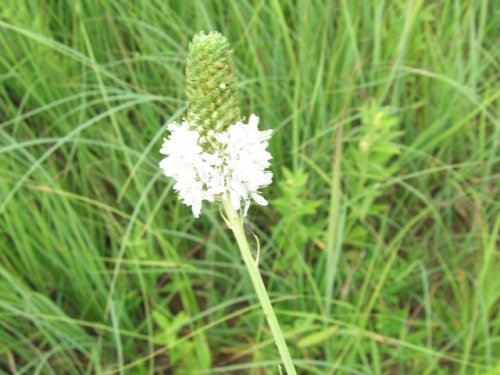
column 235, row 223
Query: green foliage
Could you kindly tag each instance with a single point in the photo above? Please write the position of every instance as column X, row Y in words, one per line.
column 369, row 159
column 295, row 209
column 170, row 335
column 103, row 271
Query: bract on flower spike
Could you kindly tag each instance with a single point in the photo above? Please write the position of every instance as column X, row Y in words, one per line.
column 212, row 154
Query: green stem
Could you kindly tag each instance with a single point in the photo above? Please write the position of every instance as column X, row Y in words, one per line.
column 235, row 222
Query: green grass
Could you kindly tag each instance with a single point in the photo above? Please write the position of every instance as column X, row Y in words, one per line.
column 379, row 247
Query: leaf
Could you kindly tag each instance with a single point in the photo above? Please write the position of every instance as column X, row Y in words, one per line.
column 317, row 337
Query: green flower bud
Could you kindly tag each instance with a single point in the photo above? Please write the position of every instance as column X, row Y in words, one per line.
column 211, row 89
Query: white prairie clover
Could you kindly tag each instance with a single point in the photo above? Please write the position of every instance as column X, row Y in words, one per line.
column 214, row 155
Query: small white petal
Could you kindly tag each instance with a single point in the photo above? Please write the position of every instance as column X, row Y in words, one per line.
column 259, row 199
column 247, row 206
column 235, row 200
column 196, row 209
column 253, row 120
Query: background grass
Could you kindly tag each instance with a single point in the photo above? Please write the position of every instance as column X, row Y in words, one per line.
column 379, row 247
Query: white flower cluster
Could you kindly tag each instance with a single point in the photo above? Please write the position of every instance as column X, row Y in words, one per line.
column 235, row 167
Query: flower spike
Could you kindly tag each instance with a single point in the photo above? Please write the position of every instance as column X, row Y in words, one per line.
column 212, row 154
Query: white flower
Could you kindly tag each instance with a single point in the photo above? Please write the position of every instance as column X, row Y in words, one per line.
column 235, row 167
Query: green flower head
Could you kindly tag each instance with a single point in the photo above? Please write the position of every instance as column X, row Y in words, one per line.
column 211, row 88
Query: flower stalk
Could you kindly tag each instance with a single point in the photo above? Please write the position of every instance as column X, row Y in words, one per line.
column 234, row 221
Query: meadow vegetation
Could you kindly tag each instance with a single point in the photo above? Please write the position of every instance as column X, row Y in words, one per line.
column 379, row 247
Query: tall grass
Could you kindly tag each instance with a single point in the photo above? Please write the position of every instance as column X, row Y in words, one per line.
column 379, row 247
